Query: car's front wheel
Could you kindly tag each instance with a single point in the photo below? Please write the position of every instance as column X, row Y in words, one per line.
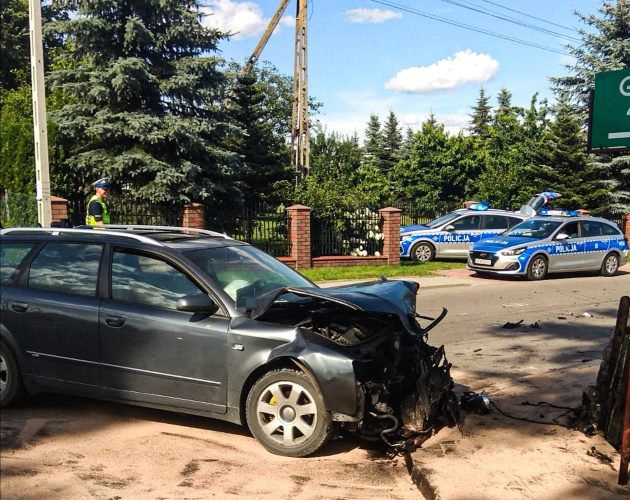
column 423, row 252
column 11, row 388
column 286, row 414
column 537, row 269
column 610, row 265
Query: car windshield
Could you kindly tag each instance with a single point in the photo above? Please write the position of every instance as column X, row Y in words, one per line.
column 245, row 272
column 442, row 219
column 533, row 228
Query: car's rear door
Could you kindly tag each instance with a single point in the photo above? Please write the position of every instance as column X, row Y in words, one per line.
column 457, row 241
column 52, row 312
column 151, row 352
column 595, row 244
column 567, row 254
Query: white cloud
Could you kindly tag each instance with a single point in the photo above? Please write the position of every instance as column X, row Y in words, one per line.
column 462, row 68
column 288, row 21
column 243, row 19
column 371, row 15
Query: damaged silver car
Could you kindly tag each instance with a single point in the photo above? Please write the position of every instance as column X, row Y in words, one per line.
column 195, row 322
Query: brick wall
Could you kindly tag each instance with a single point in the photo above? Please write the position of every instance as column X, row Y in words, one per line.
column 300, row 235
column 59, row 208
column 625, row 226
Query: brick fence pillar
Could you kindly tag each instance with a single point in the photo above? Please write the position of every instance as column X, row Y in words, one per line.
column 300, row 235
column 59, row 208
column 194, row 216
column 625, row 225
column 391, row 230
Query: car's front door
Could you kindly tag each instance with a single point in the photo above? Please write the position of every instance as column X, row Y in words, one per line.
column 457, row 241
column 54, row 315
column 152, row 352
column 566, row 254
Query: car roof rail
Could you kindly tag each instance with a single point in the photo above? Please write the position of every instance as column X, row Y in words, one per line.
column 169, row 229
column 81, row 230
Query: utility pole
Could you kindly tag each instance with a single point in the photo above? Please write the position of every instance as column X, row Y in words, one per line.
column 299, row 117
column 40, row 128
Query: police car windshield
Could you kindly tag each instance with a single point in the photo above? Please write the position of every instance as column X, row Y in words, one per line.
column 533, row 228
column 442, row 220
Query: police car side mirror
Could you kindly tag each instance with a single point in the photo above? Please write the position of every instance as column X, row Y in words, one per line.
column 562, row 236
column 450, row 227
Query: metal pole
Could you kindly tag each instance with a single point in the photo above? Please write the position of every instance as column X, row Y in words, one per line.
column 40, row 129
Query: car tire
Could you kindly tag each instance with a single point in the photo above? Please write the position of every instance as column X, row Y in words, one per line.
column 423, row 252
column 610, row 265
column 291, row 400
column 537, row 268
column 11, row 388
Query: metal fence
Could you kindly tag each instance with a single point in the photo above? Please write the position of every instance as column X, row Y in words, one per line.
column 355, row 233
column 421, row 214
column 262, row 225
column 127, row 211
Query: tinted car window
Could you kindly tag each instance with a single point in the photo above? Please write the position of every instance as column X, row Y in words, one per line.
column 590, row 229
column 149, row 281
column 609, row 230
column 11, row 255
column 496, row 222
column 66, row 267
column 571, row 229
column 467, row 223
column 513, row 221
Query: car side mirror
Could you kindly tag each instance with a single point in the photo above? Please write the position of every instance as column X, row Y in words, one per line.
column 450, row 227
column 562, row 236
column 197, row 303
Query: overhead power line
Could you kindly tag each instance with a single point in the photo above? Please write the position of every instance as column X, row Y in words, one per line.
column 416, row 12
column 530, row 16
column 488, row 12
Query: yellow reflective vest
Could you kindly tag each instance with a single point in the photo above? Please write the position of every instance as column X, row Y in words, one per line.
column 89, row 219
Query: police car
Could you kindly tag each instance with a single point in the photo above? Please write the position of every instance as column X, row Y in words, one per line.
column 550, row 244
column 451, row 235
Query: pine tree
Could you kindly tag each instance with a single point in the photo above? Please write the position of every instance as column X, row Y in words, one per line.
column 392, row 142
column 373, row 142
column 264, row 154
column 481, row 116
column 604, row 46
column 147, row 101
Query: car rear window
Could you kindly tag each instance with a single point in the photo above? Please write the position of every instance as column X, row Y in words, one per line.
column 11, row 256
column 609, row 230
column 67, row 267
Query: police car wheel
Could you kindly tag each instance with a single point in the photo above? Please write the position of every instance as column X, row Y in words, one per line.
column 610, row 265
column 537, row 268
column 423, row 252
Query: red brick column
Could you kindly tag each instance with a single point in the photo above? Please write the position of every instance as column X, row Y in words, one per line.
column 300, row 235
column 59, row 208
column 391, row 230
column 625, row 225
column 194, row 216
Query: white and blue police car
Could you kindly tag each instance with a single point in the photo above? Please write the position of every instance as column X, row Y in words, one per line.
column 551, row 244
column 451, row 235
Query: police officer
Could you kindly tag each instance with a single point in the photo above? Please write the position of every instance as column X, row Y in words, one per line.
column 97, row 210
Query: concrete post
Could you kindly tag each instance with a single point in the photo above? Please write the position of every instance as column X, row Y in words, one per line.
column 391, row 229
column 300, row 235
column 194, row 216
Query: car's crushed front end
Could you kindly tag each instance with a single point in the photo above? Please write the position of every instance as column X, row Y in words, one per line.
column 403, row 384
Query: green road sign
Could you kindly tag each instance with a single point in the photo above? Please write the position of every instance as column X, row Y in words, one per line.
column 609, row 126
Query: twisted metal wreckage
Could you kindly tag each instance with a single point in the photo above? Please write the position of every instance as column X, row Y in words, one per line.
column 404, row 383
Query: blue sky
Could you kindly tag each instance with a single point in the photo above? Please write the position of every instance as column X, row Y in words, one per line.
column 368, row 57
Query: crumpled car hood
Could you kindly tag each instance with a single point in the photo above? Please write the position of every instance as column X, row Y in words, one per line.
column 393, row 297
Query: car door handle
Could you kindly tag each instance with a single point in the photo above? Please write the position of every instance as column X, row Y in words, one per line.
column 19, row 307
column 115, row 321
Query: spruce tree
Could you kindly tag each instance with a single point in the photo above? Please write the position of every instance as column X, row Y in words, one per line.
column 147, row 106
column 392, row 142
column 373, row 142
column 481, row 116
column 604, row 46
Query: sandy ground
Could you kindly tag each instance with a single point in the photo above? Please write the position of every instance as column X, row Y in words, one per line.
column 67, row 448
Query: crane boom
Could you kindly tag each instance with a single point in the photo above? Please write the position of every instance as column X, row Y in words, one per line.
column 273, row 22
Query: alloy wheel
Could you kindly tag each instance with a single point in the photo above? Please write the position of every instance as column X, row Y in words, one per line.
column 4, row 374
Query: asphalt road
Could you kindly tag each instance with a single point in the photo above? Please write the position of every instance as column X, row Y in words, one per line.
column 63, row 447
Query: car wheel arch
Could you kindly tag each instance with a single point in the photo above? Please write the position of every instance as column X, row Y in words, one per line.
column 275, row 364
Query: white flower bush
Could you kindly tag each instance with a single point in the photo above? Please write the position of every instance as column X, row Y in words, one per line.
column 362, row 233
